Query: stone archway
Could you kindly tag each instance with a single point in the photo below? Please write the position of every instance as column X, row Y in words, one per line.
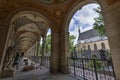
column 65, row 50
column 111, row 26
column 35, row 31
column 63, row 13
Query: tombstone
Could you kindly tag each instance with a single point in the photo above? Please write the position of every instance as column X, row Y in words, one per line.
column 102, row 54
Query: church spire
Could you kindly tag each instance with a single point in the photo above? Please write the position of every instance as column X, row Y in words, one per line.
column 79, row 36
column 79, row 30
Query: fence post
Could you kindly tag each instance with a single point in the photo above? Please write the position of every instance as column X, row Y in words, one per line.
column 83, row 69
column 74, row 67
column 94, row 63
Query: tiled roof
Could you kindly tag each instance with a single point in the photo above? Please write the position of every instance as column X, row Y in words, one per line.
column 88, row 34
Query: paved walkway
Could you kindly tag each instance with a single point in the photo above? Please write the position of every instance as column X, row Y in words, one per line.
column 38, row 74
column 42, row 74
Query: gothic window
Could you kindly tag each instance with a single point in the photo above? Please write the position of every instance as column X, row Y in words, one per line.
column 89, row 47
column 95, row 46
column 103, row 45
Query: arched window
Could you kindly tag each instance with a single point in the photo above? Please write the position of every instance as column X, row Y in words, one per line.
column 103, row 45
column 95, row 46
column 89, row 47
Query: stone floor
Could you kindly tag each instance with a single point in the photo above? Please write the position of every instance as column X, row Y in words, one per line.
column 38, row 74
column 42, row 74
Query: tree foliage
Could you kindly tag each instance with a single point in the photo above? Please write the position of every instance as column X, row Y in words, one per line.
column 99, row 23
column 48, row 43
column 71, row 41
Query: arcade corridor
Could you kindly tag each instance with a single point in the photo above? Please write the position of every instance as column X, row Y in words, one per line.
column 24, row 23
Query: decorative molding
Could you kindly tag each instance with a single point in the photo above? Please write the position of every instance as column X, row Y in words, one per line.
column 64, row 35
column 58, row 13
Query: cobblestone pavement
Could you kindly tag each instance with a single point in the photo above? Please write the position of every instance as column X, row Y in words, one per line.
column 42, row 74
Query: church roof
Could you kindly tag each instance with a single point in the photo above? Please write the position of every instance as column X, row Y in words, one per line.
column 88, row 34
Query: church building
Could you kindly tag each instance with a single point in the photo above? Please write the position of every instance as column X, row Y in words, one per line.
column 90, row 43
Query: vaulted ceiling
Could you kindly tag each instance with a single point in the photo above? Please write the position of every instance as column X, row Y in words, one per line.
column 29, row 29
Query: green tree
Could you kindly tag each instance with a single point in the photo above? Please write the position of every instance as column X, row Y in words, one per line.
column 39, row 50
column 99, row 23
column 48, row 44
column 71, row 42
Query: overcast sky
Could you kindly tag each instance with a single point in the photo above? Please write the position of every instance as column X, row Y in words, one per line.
column 84, row 19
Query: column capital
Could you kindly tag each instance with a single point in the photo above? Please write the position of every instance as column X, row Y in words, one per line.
column 55, row 34
column 65, row 33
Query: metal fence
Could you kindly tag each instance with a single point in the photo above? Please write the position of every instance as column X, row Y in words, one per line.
column 85, row 69
column 91, row 69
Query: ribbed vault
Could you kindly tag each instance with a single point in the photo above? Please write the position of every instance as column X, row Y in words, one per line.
column 29, row 28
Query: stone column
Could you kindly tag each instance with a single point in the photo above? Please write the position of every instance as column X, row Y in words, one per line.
column 4, row 42
column 33, row 50
column 43, row 50
column 3, row 37
column 54, row 58
column 64, row 51
column 112, row 23
column 37, row 48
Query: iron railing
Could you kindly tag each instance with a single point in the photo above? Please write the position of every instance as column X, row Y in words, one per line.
column 85, row 69
column 91, row 69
